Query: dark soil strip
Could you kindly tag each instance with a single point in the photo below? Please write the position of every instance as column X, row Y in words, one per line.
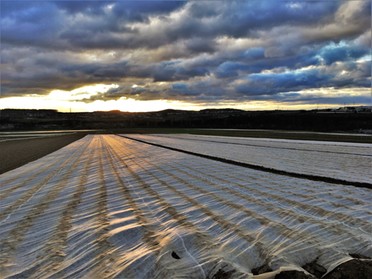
column 14, row 154
column 274, row 134
column 353, row 269
column 265, row 146
column 261, row 168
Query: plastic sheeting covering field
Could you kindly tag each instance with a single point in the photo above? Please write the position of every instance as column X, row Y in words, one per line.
column 109, row 207
column 346, row 161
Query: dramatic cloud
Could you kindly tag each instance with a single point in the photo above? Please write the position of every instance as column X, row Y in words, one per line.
column 194, row 51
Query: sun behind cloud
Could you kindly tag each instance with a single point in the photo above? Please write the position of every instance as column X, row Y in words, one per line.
column 151, row 55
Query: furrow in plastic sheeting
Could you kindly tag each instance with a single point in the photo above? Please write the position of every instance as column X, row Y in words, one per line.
column 105, row 255
column 260, row 145
column 33, row 194
column 283, row 200
column 179, row 219
column 344, row 169
column 50, row 167
column 266, row 184
column 119, row 208
column 285, row 210
column 149, row 235
column 15, row 178
column 263, row 248
column 88, row 253
column 212, row 261
column 322, row 212
column 218, row 218
column 9, row 245
column 52, row 172
column 149, row 241
column 293, row 233
column 54, row 250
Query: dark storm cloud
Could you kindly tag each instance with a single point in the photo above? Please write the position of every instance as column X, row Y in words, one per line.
column 343, row 98
column 268, row 84
column 355, row 75
column 254, row 61
column 30, row 25
column 77, row 24
column 200, row 50
column 242, row 18
column 94, row 25
column 173, row 71
column 141, row 10
column 199, row 45
column 334, row 53
column 83, row 6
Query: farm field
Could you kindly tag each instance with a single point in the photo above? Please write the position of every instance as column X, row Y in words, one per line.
column 18, row 148
column 345, row 161
column 26, row 135
column 106, row 206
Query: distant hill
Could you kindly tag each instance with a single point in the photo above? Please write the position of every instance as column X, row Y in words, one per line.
column 354, row 119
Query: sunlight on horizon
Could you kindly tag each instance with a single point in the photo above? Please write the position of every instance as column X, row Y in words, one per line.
column 132, row 105
column 91, row 98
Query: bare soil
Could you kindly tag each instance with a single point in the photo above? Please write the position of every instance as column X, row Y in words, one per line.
column 353, row 269
column 16, row 153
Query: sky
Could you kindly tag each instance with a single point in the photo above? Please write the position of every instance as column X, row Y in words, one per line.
column 153, row 55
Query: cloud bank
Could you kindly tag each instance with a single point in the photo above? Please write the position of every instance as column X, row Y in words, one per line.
column 195, row 51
